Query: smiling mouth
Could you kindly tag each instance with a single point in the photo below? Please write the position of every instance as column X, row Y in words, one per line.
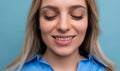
column 63, row 38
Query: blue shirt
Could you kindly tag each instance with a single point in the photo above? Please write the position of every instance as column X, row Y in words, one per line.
column 39, row 64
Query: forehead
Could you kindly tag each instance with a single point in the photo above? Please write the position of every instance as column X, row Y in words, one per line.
column 63, row 3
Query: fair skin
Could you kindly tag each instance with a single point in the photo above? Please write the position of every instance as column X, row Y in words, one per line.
column 63, row 25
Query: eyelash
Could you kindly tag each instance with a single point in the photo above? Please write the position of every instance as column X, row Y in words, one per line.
column 77, row 17
column 50, row 18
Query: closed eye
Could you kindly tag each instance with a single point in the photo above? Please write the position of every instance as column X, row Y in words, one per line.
column 77, row 17
column 50, row 18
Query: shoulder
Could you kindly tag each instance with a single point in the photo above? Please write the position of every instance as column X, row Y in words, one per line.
column 31, row 65
column 36, row 64
column 91, row 64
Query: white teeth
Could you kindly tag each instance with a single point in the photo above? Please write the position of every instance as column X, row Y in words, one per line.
column 65, row 38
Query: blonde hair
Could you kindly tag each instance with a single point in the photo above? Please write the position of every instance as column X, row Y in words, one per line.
column 34, row 45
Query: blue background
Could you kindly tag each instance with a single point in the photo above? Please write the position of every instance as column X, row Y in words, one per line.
column 13, row 17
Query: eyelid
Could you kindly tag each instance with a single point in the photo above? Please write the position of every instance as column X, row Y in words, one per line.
column 78, row 10
column 77, row 17
column 50, row 18
column 51, row 8
column 77, row 13
column 49, row 13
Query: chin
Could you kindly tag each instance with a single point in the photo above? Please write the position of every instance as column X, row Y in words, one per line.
column 64, row 53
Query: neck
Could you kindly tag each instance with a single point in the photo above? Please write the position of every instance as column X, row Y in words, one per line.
column 63, row 63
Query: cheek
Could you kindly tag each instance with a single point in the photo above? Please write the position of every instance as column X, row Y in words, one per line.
column 46, row 26
column 81, row 26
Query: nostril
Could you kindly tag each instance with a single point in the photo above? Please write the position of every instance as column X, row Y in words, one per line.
column 63, row 27
column 62, row 30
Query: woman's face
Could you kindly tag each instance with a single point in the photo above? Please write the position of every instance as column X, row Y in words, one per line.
column 63, row 25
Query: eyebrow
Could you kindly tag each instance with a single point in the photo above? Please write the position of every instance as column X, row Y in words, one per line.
column 77, row 6
column 57, row 9
column 50, row 7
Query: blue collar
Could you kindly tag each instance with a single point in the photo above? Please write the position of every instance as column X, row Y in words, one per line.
column 90, row 58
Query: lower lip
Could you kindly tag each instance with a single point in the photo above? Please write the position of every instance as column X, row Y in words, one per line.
column 63, row 42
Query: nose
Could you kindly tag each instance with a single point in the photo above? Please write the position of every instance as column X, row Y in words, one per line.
column 63, row 24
